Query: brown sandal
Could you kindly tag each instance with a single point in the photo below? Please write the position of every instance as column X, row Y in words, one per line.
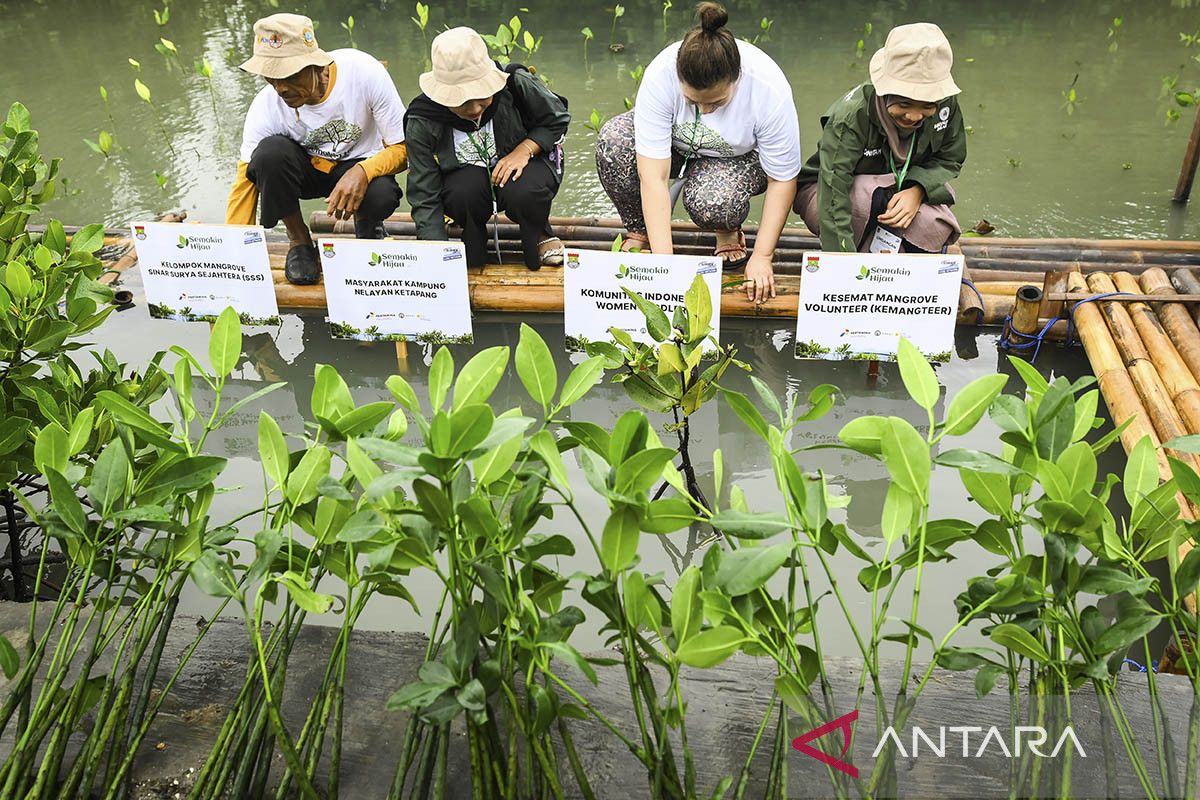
column 733, row 247
column 639, row 239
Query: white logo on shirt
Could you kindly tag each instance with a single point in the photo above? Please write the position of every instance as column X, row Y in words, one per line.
column 878, row 151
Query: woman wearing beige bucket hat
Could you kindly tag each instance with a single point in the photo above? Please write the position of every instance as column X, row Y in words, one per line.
column 326, row 125
column 878, row 180
column 482, row 139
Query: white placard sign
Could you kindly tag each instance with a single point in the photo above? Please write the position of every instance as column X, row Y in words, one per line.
column 193, row 272
column 397, row 290
column 858, row 305
column 594, row 301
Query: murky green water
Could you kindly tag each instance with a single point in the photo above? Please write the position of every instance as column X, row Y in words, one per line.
column 1033, row 169
column 1014, row 60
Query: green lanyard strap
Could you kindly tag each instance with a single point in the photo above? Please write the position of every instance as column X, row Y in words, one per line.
column 486, row 158
column 907, row 160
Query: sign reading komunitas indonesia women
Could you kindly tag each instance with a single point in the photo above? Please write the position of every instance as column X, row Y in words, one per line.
column 396, row 290
column 193, row 272
column 595, row 301
column 858, row 305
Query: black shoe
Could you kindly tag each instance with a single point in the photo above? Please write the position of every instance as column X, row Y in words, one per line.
column 367, row 229
column 302, row 267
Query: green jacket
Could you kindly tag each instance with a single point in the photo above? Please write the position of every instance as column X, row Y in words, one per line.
column 525, row 108
column 853, row 142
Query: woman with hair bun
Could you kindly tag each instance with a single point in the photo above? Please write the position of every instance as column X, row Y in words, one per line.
column 716, row 113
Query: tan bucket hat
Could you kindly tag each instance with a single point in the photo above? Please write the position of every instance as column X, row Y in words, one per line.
column 284, row 44
column 462, row 69
column 915, row 63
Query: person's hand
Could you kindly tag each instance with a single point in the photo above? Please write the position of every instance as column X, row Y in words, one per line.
column 511, row 166
column 760, row 279
column 347, row 196
column 903, row 207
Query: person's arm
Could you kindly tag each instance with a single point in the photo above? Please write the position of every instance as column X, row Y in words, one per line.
column 425, row 181
column 391, row 159
column 760, row 269
column 839, row 150
column 243, row 199
column 388, row 112
column 945, row 163
column 653, row 175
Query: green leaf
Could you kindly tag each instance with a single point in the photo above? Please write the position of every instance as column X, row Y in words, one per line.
column 668, row 515
column 746, row 412
column 142, row 90
column 469, row 426
column 569, row 654
column 657, row 324
column 225, row 343
column 1141, row 471
column 619, row 541
column 898, row 509
column 189, row 473
column 331, row 396
column 136, row 418
column 66, row 502
column 906, row 456
column 1034, row 380
column 89, row 239
column 749, row 568
column 303, row 595
column 1085, row 414
column 10, row 661
column 989, row 490
column 960, row 659
column 81, row 430
column 535, row 367
column 403, row 392
column 977, row 460
column 544, row 445
column 363, row 419
column 687, row 611
column 495, row 462
column 749, row 526
column 865, row 434
column 1019, row 640
column 441, row 372
column 698, row 301
column 971, row 403
column 51, row 451
column 1054, row 420
column 111, row 477
column 361, row 525
column 272, row 448
column 581, row 380
column 302, row 483
column 479, row 377
column 918, row 376
column 1188, row 574
column 1125, row 632
column 640, row 471
column 1102, row 580
column 708, row 648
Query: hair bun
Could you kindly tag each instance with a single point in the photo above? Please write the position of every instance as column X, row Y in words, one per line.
column 712, row 16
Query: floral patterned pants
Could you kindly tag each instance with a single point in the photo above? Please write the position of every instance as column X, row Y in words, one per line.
column 716, row 191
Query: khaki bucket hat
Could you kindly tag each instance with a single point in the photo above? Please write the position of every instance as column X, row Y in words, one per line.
column 284, row 44
column 915, row 63
column 462, row 69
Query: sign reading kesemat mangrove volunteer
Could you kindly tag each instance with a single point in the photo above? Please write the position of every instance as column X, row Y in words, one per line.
column 858, row 305
column 396, row 290
column 193, row 272
column 595, row 301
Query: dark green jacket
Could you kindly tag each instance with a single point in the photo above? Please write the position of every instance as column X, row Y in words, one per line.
column 853, row 142
column 526, row 109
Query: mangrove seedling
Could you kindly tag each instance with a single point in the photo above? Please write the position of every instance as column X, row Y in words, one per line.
column 348, row 27
column 595, row 121
column 103, row 144
column 162, row 17
column 143, row 91
column 1071, row 96
column 204, row 70
column 666, row 7
column 764, row 28
column 421, row 20
column 587, row 34
column 861, row 45
column 618, row 12
column 161, row 180
column 1113, row 31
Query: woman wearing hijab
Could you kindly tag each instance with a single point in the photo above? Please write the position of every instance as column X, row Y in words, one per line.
column 878, row 181
column 715, row 112
column 482, row 139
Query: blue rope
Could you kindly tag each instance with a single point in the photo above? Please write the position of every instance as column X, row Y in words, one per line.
column 968, row 283
column 1026, row 341
column 1138, row 667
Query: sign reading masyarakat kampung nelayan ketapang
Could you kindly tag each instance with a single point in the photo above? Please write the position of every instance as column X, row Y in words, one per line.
column 392, row 290
column 595, row 301
column 194, row 272
column 859, row 305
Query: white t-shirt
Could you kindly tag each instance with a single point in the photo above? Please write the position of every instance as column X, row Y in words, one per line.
column 760, row 116
column 362, row 113
column 478, row 148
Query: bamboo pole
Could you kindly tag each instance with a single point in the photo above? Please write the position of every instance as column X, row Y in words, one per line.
column 1025, row 317
column 1175, row 319
column 1186, row 281
column 1181, row 385
column 1187, row 170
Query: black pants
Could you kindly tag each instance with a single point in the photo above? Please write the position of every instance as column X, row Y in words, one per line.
column 284, row 175
column 467, row 198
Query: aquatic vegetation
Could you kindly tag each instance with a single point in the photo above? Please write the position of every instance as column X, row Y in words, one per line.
column 512, row 36
column 587, row 34
column 421, row 20
column 348, row 27
column 161, row 180
column 143, row 91
column 1071, row 96
column 861, row 45
column 666, row 8
column 595, row 121
column 102, row 145
column 1114, row 31
column 764, row 28
column 636, row 73
column 1014, row 162
column 164, row 16
column 204, row 70
column 618, row 12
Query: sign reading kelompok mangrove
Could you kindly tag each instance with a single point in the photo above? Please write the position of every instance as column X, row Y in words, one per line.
column 396, row 290
column 858, row 305
column 193, row 272
column 594, row 300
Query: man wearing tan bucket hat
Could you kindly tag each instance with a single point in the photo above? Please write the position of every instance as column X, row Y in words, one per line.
column 879, row 179
column 326, row 125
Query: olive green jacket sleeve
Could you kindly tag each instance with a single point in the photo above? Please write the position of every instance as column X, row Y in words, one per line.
column 944, row 163
column 543, row 113
column 839, row 150
column 425, row 179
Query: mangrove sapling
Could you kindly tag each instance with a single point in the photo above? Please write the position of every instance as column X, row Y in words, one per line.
column 348, row 27
column 666, row 7
column 587, row 35
column 618, row 12
column 204, row 70
column 143, row 91
column 667, row 376
column 421, row 20
column 103, row 144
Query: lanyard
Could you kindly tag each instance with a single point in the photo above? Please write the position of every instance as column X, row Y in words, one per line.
column 912, row 145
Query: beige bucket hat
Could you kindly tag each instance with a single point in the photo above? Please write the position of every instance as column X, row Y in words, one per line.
column 462, row 69
column 915, row 63
column 284, row 44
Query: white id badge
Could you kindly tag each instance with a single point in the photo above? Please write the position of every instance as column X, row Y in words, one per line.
column 884, row 241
